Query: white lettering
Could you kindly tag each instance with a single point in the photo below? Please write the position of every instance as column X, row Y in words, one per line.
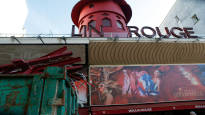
column 139, row 110
column 199, row 106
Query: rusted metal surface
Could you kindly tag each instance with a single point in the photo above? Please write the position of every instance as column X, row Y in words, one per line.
column 38, row 94
column 45, row 93
column 58, row 98
column 14, row 93
column 58, row 101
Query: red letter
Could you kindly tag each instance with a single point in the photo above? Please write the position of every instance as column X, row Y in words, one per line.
column 160, row 34
column 181, row 33
column 188, row 33
column 146, row 35
column 134, row 31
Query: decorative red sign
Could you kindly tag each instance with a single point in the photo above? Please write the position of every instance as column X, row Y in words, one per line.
column 174, row 31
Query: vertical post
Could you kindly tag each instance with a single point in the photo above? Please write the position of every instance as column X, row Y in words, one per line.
column 73, row 30
column 90, row 31
column 84, row 30
column 101, row 31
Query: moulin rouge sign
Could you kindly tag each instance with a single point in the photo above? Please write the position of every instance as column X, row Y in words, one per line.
column 177, row 32
column 148, row 32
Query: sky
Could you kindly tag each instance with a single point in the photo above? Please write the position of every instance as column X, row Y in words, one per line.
column 13, row 14
column 54, row 16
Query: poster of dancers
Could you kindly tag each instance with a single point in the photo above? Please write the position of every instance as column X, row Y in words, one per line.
column 140, row 84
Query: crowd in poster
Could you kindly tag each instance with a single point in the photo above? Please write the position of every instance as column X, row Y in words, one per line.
column 146, row 84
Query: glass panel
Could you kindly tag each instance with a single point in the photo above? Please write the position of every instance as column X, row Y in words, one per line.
column 119, row 24
column 106, row 22
column 91, row 5
column 92, row 23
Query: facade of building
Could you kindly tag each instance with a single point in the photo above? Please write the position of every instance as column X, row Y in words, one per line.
column 125, row 75
column 187, row 13
column 117, row 67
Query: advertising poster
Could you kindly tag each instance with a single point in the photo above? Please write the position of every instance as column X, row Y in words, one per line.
column 114, row 85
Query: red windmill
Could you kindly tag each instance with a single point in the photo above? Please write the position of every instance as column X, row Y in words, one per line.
column 108, row 18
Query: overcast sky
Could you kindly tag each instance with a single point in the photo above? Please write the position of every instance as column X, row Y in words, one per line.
column 53, row 16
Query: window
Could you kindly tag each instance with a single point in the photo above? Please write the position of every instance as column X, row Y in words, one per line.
column 91, row 5
column 106, row 22
column 92, row 23
column 119, row 24
column 195, row 19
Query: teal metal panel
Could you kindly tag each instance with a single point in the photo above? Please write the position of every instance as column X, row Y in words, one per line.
column 16, row 92
column 69, row 98
column 36, row 95
column 54, row 72
column 53, row 102
column 45, row 94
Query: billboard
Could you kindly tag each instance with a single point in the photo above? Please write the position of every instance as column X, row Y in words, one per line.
column 113, row 85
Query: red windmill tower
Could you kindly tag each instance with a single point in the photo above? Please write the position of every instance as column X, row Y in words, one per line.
column 107, row 18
